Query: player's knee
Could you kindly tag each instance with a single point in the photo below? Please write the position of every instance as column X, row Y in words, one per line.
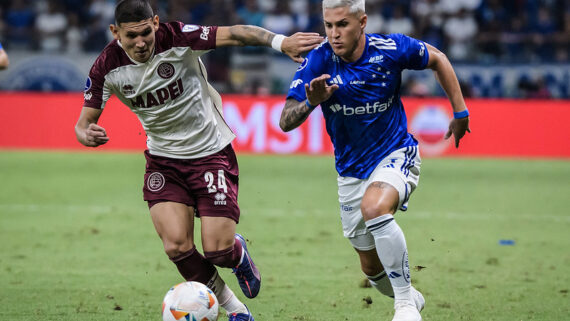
column 176, row 247
column 372, row 210
column 228, row 258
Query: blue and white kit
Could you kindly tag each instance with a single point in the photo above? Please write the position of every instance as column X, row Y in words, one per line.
column 366, row 121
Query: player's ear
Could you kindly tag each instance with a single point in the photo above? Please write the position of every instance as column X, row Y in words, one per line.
column 363, row 21
column 155, row 22
column 115, row 31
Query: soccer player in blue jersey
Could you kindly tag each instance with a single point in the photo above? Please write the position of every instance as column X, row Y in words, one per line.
column 355, row 77
column 4, row 62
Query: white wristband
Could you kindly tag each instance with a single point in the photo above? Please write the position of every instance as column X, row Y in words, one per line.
column 277, row 41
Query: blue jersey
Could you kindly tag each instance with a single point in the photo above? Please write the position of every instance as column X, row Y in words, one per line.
column 365, row 118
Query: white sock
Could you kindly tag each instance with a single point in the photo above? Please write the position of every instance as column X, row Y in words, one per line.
column 229, row 301
column 381, row 282
column 392, row 251
column 226, row 297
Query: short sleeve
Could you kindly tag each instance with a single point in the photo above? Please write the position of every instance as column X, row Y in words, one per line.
column 413, row 52
column 178, row 34
column 312, row 67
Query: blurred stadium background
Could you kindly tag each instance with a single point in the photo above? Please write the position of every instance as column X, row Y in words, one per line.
column 514, row 48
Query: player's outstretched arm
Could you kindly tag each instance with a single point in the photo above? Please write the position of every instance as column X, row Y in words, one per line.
column 446, row 77
column 87, row 131
column 246, row 35
column 295, row 112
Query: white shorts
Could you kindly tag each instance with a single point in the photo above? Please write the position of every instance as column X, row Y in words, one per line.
column 400, row 169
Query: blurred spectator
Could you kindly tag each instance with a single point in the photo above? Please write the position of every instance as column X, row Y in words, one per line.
column 19, row 18
column 472, row 31
column 428, row 14
column 376, row 21
column 515, row 39
column 415, row 88
column 281, row 19
column 400, row 22
column 73, row 35
column 562, row 39
column 100, row 13
column 178, row 11
column 218, row 61
column 533, row 89
column 250, row 14
column 543, row 34
column 460, row 31
column 315, row 20
column 50, row 27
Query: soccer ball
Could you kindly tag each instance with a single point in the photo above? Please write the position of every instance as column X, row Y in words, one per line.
column 190, row 301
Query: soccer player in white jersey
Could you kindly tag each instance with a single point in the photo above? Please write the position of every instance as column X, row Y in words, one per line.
column 155, row 69
column 356, row 78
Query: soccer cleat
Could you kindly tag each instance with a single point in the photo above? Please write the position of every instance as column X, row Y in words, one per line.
column 241, row 316
column 247, row 274
column 418, row 299
column 406, row 311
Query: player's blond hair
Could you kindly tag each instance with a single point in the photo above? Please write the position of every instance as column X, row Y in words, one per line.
column 354, row 6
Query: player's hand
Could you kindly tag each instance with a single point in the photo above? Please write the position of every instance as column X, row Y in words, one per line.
column 95, row 135
column 300, row 42
column 458, row 127
column 318, row 90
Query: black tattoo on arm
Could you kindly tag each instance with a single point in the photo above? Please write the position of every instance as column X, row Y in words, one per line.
column 251, row 35
column 294, row 114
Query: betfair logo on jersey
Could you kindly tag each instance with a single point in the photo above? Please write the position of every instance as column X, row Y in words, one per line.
column 370, row 108
column 160, row 96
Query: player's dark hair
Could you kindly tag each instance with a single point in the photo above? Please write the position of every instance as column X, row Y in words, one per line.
column 132, row 11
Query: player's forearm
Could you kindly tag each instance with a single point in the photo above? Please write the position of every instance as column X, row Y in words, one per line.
column 446, row 77
column 294, row 114
column 448, row 81
column 247, row 35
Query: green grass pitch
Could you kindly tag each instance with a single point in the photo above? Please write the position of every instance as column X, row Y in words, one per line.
column 77, row 243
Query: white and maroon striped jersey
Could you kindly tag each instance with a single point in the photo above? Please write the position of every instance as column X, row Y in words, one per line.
column 179, row 110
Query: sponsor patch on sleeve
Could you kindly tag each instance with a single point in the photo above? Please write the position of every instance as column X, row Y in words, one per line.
column 190, row 28
column 87, row 84
column 303, row 64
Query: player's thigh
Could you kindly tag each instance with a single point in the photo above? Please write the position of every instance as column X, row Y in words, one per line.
column 393, row 181
column 218, row 233
column 380, row 198
column 174, row 223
